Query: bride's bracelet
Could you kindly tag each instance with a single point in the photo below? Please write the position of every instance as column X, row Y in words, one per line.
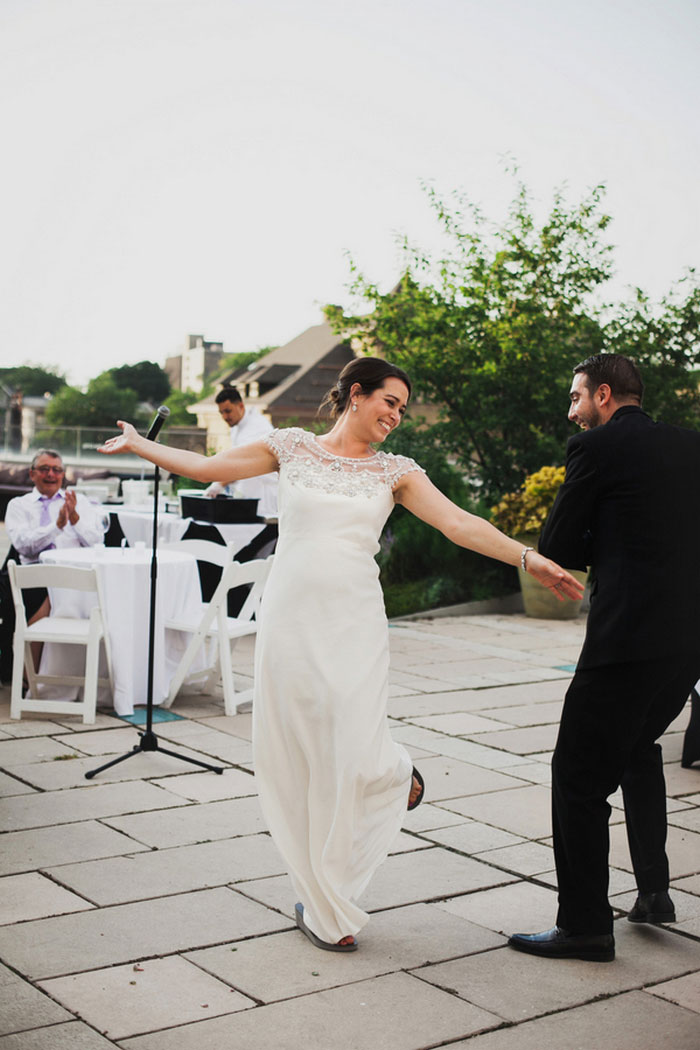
column 523, row 554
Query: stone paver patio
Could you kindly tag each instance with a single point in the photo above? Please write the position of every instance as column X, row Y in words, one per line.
column 148, row 909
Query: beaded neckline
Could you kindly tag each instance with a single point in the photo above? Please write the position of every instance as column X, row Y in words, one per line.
column 350, row 459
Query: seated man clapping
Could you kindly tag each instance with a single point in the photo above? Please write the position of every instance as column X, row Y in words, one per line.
column 49, row 516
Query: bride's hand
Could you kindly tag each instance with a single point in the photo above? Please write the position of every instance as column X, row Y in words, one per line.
column 124, row 442
column 552, row 576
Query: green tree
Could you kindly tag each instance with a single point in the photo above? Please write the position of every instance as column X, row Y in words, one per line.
column 232, row 362
column 32, row 380
column 146, row 378
column 421, row 568
column 665, row 342
column 100, row 406
column 178, row 403
column 489, row 331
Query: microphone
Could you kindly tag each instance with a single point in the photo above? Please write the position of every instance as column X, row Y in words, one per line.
column 160, row 418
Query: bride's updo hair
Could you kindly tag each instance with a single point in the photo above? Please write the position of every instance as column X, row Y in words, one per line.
column 370, row 373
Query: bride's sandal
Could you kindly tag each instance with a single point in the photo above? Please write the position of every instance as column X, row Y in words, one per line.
column 419, row 798
column 326, row 945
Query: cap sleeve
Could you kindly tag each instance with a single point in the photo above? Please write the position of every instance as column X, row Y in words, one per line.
column 283, row 442
column 398, row 466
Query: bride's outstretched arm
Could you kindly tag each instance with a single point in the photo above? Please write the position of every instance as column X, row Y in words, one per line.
column 248, row 461
column 417, row 493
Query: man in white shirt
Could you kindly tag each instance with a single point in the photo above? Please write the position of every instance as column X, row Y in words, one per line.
column 50, row 516
column 47, row 517
column 247, row 425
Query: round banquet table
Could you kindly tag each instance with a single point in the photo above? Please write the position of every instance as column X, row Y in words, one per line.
column 125, row 578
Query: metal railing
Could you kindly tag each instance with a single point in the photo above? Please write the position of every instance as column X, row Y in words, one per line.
column 79, row 443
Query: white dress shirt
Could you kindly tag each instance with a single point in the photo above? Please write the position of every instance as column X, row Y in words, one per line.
column 29, row 538
column 252, row 427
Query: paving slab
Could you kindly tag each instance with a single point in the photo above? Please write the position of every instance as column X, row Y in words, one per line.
column 684, row 991
column 476, row 753
column 533, row 714
column 524, row 811
column 683, row 848
column 14, row 753
column 72, row 1036
column 533, row 772
column 411, row 705
column 207, row 741
column 681, row 782
column 11, row 786
column 462, row 723
column 30, row 727
column 690, row 884
column 526, row 858
column 111, row 741
column 448, row 778
column 429, row 816
column 23, row 1006
column 157, row 994
column 472, row 837
column 43, row 847
column 132, row 932
column 141, row 765
column 687, row 905
column 426, row 875
column 210, row 820
column 210, row 787
column 516, row 986
column 159, row 873
column 33, row 896
column 286, row 964
column 83, row 803
column 395, row 1012
column 529, row 740
column 237, row 725
column 516, row 907
column 626, row 1022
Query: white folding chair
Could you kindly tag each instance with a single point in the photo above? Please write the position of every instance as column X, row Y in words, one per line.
column 214, row 623
column 203, row 550
column 57, row 629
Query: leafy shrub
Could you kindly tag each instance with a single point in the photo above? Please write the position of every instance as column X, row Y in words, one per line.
column 526, row 510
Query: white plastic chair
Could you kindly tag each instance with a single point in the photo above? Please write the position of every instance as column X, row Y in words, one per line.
column 214, row 623
column 59, row 629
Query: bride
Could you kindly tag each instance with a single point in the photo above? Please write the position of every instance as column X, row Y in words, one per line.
column 333, row 785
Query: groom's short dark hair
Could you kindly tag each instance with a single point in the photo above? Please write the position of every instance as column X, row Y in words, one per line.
column 620, row 373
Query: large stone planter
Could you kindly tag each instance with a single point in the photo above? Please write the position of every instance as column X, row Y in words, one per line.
column 539, row 602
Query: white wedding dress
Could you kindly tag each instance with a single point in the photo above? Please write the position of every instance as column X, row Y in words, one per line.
column 332, row 783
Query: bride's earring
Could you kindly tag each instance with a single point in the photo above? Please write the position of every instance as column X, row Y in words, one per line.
column 354, row 407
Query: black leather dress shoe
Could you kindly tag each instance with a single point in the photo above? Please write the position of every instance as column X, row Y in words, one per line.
column 653, row 907
column 558, row 944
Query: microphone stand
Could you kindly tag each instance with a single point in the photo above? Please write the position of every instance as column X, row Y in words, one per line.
column 148, row 741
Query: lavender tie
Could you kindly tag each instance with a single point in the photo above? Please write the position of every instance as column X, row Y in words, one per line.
column 45, row 516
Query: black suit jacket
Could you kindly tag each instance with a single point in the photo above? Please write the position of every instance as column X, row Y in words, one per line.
column 630, row 508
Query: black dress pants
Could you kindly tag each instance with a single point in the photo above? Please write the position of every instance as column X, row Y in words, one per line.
column 610, row 723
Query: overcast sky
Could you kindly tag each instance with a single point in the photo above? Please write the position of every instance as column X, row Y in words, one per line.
column 176, row 166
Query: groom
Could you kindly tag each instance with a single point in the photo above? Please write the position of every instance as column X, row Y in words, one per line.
column 630, row 508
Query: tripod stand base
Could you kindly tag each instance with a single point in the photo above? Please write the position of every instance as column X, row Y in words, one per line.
column 149, row 742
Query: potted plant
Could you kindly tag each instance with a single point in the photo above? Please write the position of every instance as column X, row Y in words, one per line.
column 522, row 514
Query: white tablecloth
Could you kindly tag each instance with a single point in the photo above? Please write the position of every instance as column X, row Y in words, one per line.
column 137, row 525
column 125, row 579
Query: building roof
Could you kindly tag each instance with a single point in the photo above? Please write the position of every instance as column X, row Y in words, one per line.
column 292, row 379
